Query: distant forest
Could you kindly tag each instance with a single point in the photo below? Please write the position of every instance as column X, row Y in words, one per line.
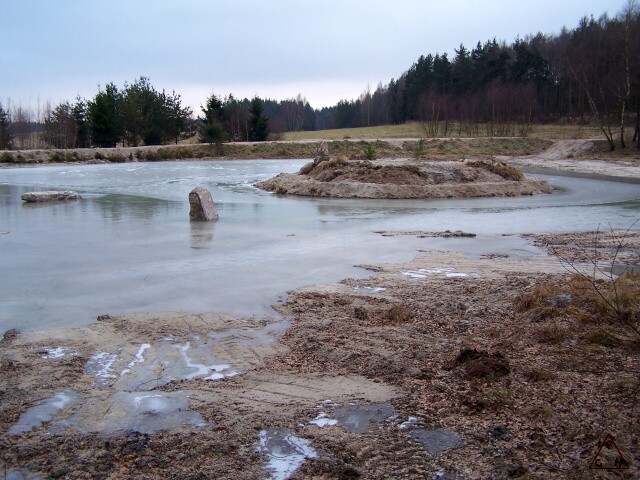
column 588, row 74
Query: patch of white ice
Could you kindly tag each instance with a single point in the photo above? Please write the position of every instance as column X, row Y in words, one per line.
column 411, row 421
column 447, row 272
column 322, row 421
column 137, row 359
column 100, row 366
column 285, row 452
column 369, row 289
column 209, row 372
column 59, row 352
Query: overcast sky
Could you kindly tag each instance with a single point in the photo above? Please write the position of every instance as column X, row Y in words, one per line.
column 326, row 50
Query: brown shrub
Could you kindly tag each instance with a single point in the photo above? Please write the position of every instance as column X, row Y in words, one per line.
column 617, row 300
column 361, row 313
column 543, row 302
column 398, row 314
column 551, row 332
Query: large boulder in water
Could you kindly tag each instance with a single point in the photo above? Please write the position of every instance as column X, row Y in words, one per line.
column 50, row 196
column 202, row 206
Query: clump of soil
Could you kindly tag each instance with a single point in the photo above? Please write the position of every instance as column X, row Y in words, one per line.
column 481, row 364
column 405, row 179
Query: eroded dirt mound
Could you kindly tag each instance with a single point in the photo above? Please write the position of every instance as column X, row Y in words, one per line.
column 405, row 179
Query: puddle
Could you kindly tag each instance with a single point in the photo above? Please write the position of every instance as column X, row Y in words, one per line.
column 438, row 440
column 144, row 412
column 285, row 452
column 353, row 417
column 156, row 365
column 59, row 352
column 21, row 474
column 43, row 412
column 356, row 418
column 447, row 272
column 252, row 336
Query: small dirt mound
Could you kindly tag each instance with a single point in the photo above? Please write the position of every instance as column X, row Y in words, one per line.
column 343, row 178
column 479, row 364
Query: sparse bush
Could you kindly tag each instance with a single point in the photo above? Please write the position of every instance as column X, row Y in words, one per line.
column 62, row 157
column 116, row 158
column 419, row 149
column 99, row 156
column 6, row 157
column 370, row 152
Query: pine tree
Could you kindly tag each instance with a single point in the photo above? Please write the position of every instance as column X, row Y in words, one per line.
column 6, row 133
column 105, row 117
column 212, row 131
column 79, row 113
column 258, row 122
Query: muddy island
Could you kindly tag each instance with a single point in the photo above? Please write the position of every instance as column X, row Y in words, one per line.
column 342, row 178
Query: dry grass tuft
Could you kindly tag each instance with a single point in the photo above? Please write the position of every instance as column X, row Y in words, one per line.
column 544, row 301
column 398, row 314
column 617, row 300
column 551, row 332
column 597, row 336
column 537, row 374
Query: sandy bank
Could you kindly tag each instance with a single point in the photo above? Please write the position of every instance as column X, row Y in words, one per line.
column 429, row 368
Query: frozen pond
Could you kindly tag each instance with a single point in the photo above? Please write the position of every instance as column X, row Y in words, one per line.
column 129, row 245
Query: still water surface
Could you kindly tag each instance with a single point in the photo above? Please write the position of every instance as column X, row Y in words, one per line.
column 129, row 245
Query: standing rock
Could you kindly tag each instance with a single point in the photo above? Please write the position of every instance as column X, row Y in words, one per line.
column 202, row 207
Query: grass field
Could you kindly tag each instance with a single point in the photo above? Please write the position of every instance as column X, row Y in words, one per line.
column 415, row 130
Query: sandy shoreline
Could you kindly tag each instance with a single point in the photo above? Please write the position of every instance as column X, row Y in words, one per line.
column 575, row 156
column 181, row 394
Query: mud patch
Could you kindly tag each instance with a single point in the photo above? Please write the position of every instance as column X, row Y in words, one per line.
column 43, row 412
column 146, row 412
column 438, row 440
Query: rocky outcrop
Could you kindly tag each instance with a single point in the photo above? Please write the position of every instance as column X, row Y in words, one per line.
column 202, row 207
column 50, row 196
column 406, row 179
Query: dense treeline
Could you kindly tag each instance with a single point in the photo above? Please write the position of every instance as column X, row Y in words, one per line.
column 588, row 74
column 139, row 114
